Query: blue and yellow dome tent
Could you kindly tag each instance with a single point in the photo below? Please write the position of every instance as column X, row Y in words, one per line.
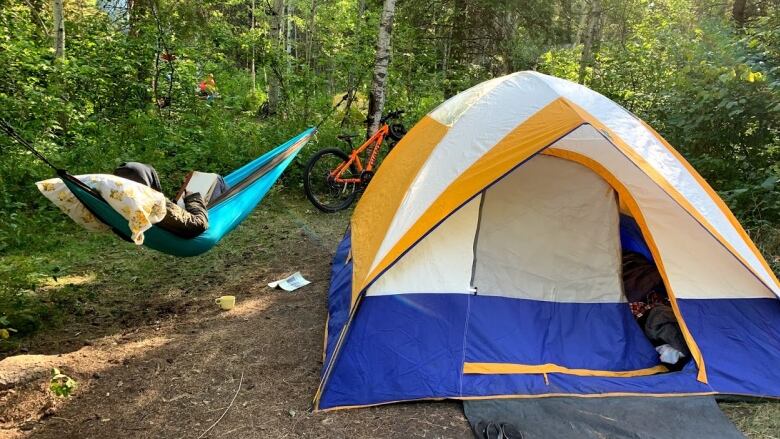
column 483, row 261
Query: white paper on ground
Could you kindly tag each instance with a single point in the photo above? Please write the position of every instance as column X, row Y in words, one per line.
column 290, row 283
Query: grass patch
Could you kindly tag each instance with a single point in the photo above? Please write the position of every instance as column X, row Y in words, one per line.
column 85, row 280
column 758, row 420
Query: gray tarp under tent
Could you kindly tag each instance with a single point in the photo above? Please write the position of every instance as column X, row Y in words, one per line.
column 634, row 417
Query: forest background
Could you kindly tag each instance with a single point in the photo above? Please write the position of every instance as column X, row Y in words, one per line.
column 93, row 84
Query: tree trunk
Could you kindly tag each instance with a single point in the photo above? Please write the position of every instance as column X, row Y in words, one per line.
column 36, row 8
column 568, row 17
column 376, row 100
column 252, row 27
column 274, row 82
column 136, row 10
column 589, row 38
column 456, row 46
column 59, row 29
column 288, row 39
column 352, row 84
column 311, row 33
column 581, row 26
column 738, row 12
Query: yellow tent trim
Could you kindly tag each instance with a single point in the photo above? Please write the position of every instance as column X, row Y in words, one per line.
column 521, row 396
column 636, row 212
column 514, row 368
column 384, row 195
column 543, row 128
column 325, row 338
column 666, row 186
column 718, row 202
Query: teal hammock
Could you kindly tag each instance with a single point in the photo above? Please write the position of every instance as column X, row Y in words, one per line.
column 247, row 187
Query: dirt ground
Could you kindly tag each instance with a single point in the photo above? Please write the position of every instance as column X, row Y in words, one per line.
column 171, row 364
column 174, row 374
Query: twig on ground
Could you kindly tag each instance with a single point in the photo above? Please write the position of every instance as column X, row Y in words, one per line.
column 232, row 431
column 240, row 380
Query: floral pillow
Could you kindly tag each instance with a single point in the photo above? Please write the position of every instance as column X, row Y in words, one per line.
column 140, row 205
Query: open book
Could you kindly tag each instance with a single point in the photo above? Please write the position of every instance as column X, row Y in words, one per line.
column 202, row 182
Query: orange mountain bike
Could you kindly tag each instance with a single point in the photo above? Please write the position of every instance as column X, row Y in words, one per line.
column 333, row 178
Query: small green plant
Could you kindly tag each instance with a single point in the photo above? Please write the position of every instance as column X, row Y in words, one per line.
column 61, row 384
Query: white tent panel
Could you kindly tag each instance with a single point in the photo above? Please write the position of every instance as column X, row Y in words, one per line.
column 632, row 132
column 440, row 263
column 697, row 265
column 452, row 109
column 549, row 231
column 479, row 128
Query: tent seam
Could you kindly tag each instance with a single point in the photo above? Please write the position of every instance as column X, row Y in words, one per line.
column 465, row 335
column 476, row 242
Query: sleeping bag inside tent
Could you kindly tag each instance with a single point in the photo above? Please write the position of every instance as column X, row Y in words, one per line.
column 484, row 261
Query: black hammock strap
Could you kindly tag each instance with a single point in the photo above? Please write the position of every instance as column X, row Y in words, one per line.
column 63, row 174
column 11, row 132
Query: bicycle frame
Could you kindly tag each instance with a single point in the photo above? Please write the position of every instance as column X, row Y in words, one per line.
column 354, row 157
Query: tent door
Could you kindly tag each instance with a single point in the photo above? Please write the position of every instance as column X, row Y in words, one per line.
column 547, row 269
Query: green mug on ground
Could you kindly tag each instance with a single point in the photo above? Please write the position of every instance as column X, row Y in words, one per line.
column 226, row 302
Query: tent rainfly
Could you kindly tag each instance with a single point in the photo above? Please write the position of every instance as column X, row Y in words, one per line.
column 484, row 261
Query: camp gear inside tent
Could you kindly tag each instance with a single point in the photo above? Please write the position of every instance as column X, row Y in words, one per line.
column 247, row 187
column 484, row 261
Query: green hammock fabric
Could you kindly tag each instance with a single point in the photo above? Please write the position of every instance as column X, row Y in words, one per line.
column 248, row 185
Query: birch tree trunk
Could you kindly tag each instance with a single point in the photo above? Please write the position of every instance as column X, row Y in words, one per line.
column 311, row 33
column 376, row 99
column 274, row 81
column 59, row 29
column 568, row 16
column 591, row 33
column 288, row 39
column 252, row 27
column 456, row 47
column 137, row 10
column 351, row 77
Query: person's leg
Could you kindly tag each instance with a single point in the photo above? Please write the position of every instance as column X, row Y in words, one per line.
column 661, row 327
column 219, row 189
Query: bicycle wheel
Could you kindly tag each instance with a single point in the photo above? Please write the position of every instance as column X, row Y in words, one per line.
column 324, row 193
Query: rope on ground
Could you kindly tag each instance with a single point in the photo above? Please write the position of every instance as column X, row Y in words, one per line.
column 240, row 380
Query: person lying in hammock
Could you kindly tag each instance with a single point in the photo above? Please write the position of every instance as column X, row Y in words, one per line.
column 650, row 306
column 187, row 222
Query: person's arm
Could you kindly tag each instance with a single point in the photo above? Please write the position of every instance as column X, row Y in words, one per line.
column 188, row 222
column 198, row 218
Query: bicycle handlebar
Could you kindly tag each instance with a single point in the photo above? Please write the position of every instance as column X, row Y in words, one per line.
column 391, row 115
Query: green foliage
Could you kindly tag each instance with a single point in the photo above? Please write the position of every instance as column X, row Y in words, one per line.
column 61, row 385
column 710, row 88
column 712, row 92
column 253, row 101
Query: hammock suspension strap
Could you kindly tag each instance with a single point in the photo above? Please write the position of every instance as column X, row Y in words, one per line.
column 11, row 132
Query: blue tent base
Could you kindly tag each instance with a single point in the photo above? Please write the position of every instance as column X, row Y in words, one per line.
column 631, row 417
column 408, row 347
